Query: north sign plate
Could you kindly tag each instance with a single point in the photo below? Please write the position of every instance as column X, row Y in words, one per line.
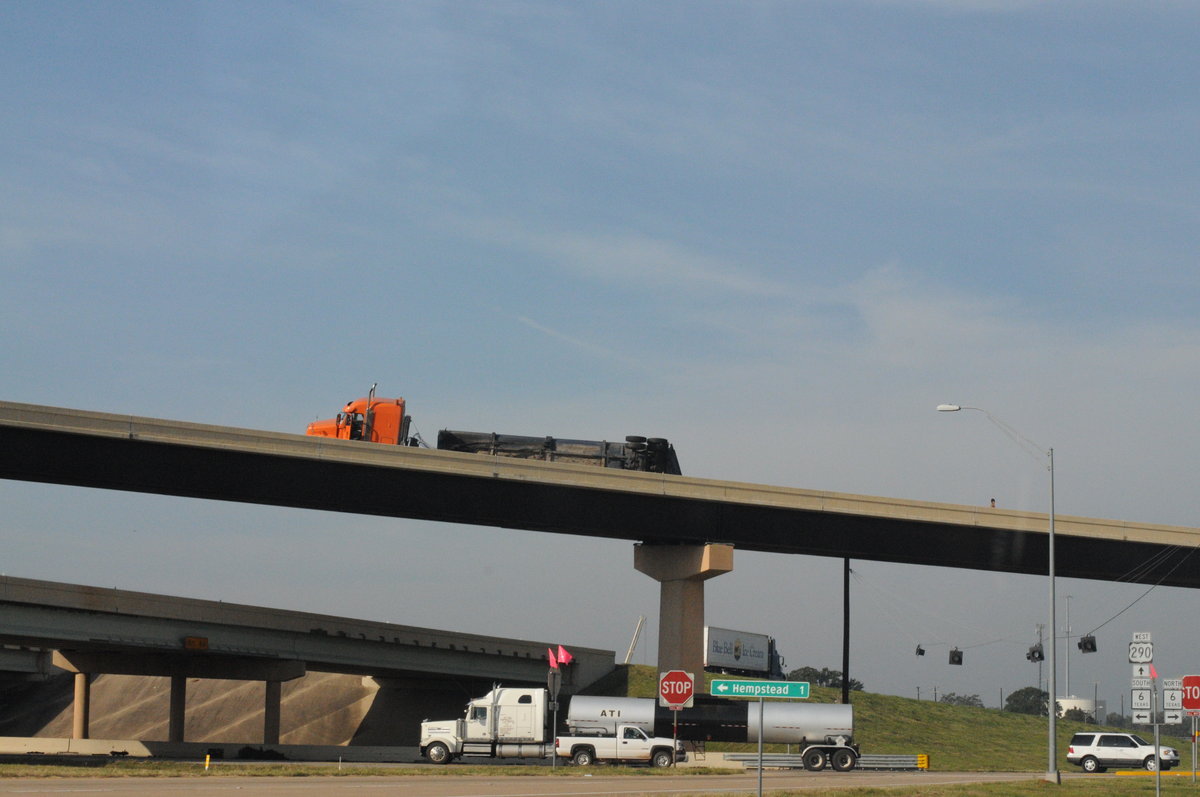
column 793, row 689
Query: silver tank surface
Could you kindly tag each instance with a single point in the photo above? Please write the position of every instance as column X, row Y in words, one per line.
column 588, row 713
column 795, row 723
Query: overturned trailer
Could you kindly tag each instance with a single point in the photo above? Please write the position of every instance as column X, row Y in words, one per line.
column 650, row 454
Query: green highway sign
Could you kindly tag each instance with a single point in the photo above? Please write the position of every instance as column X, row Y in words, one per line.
column 759, row 688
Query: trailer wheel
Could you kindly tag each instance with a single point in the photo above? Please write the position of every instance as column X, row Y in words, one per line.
column 438, row 753
column 842, row 760
column 584, row 757
column 662, row 758
column 814, row 760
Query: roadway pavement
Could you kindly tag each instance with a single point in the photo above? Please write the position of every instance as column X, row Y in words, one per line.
column 584, row 785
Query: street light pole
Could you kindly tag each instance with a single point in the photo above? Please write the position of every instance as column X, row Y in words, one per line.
column 1052, row 774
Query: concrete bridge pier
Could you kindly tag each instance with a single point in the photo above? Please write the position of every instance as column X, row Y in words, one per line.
column 178, row 710
column 81, row 709
column 271, row 711
column 682, row 570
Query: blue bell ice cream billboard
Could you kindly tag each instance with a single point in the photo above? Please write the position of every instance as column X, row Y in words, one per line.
column 741, row 652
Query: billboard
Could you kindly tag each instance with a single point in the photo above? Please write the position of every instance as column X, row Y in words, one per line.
column 736, row 651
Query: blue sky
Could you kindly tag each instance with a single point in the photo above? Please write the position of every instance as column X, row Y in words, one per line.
column 777, row 233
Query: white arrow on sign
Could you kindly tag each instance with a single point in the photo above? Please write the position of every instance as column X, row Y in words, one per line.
column 1141, row 670
column 1141, row 717
column 1173, row 717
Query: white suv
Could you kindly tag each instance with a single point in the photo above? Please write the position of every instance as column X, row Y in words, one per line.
column 1096, row 752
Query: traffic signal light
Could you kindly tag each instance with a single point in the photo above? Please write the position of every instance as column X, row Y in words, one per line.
column 956, row 656
column 1087, row 643
column 1035, row 653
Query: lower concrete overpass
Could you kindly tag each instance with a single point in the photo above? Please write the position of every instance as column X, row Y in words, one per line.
column 89, row 630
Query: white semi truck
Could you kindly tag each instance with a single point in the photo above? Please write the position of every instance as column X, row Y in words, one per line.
column 517, row 723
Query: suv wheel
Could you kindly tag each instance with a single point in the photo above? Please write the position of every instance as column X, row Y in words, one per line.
column 1090, row 764
column 1149, row 763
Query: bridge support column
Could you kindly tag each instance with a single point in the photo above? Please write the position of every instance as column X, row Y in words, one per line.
column 271, row 712
column 82, row 708
column 682, row 570
column 177, row 715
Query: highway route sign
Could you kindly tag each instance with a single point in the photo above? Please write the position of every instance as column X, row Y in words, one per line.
column 1140, row 699
column 676, row 689
column 1173, row 699
column 1141, row 652
column 792, row 689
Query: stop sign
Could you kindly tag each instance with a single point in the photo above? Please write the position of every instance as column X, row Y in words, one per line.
column 1191, row 692
column 676, row 689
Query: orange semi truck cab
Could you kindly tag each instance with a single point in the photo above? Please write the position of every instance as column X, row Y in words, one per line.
column 375, row 420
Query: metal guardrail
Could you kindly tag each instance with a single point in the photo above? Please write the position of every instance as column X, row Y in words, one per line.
column 796, row 761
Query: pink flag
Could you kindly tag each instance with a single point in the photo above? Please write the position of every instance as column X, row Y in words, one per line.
column 553, row 663
column 1153, row 672
column 564, row 657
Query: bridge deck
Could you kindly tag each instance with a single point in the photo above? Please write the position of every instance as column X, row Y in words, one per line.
column 122, row 452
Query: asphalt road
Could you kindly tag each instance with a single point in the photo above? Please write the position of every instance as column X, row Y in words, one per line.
column 485, row 786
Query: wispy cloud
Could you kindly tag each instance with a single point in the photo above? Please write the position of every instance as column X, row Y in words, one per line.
column 602, row 352
column 629, row 258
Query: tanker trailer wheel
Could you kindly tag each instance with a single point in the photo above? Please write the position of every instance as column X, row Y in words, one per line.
column 438, row 753
column 842, row 760
column 583, row 757
column 662, row 758
column 814, row 760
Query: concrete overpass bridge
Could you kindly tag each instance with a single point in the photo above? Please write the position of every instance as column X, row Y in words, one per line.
column 90, row 630
column 685, row 527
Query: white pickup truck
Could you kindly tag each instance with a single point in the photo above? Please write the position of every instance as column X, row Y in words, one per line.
column 630, row 744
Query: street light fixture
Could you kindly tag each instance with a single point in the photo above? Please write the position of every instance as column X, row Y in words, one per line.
column 1052, row 774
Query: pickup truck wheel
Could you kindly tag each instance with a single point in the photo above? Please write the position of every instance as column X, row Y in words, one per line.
column 662, row 758
column 842, row 760
column 438, row 753
column 814, row 760
column 1090, row 764
column 583, row 758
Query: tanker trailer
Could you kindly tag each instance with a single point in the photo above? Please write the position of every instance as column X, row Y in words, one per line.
column 823, row 731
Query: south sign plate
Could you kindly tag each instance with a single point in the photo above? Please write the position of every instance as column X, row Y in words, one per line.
column 792, row 689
